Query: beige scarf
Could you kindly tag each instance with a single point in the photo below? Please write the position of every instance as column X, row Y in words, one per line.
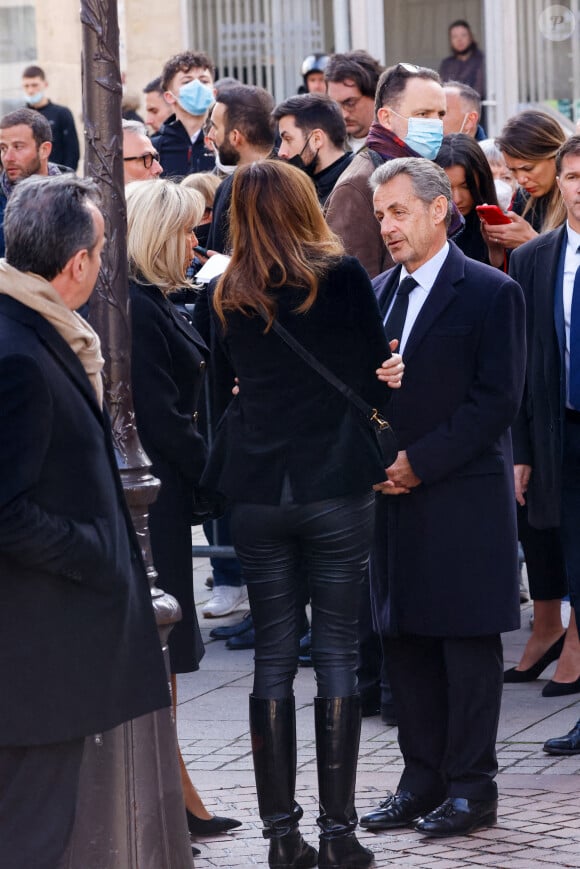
column 37, row 293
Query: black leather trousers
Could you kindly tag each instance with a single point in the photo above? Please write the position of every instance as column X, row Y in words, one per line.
column 331, row 540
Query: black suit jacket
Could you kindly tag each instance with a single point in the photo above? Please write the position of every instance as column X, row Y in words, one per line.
column 287, row 419
column 79, row 649
column 538, row 430
column 445, row 556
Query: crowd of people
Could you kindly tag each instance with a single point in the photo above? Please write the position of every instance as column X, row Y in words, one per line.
column 385, row 262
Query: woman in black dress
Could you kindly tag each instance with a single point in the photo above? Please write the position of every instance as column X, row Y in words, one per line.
column 299, row 467
column 168, row 364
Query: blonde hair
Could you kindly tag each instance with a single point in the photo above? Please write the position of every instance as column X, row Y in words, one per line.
column 158, row 214
column 206, row 182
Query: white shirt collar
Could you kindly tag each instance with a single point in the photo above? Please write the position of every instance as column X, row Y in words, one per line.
column 426, row 275
column 573, row 238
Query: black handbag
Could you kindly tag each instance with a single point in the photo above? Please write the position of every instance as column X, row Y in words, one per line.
column 206, row 505
column 385, row 435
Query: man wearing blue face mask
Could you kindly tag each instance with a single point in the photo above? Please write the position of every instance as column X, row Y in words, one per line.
column 409, row 109
column 187, row 82
column 65, row 143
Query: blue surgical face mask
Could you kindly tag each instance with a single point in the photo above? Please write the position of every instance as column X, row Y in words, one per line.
column 424, row 135
column 195, row 98
column 33, row 99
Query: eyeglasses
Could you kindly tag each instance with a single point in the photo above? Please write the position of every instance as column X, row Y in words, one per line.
column 147, row 159
column 350, row 103
column 409, row 67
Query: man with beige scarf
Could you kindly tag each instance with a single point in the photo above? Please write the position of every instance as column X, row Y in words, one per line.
column 79, row 651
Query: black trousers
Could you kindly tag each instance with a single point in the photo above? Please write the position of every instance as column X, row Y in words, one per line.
column 447, row 695
column 544, row 559
column 38, row 793
column 331, row 539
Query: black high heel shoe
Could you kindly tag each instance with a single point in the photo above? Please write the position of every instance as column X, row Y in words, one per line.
column 512, row 675
column 212, row 827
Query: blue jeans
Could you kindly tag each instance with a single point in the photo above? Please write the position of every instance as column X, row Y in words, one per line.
column 226, row 571
column 331, row 539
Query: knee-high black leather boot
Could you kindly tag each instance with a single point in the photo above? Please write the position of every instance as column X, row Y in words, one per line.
column 273, row 731
column 337, row 722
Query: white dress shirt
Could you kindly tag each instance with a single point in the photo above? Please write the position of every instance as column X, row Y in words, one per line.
column 425, row 275
column 571, row 264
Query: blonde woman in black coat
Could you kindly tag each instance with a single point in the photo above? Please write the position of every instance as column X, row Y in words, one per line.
column 299, row 469
column 169, row 359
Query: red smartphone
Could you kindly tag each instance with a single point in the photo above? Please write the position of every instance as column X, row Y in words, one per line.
column 492, row 214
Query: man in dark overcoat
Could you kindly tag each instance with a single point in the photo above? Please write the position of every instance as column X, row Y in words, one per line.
column 79, row 649
column 547, row 432
column 444, row 577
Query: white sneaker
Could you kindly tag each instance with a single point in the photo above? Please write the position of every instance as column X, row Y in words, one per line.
column 225, row 599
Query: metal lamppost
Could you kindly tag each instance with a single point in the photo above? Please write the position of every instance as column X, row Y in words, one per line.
column 130, row 812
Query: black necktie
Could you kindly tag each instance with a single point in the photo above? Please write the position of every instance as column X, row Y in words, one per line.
column 574, row 375
column 396, row 319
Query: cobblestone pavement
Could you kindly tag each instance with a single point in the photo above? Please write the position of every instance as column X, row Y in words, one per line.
column 539, row 810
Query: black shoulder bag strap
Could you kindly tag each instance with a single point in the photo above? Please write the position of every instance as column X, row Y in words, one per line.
column 381, row 427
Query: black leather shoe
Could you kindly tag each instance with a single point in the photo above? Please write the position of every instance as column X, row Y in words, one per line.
column 211, row 827
column 552, row 654
column 195, row 852
column 569, row 744
column 457, row 817
column 560, row 689
column 246, row 640
column 224, row 632
column 397, row 810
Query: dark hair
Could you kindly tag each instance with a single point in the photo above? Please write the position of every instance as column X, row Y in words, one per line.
column 279, row 237
column 458, row 149
column 532, row 136
column 460, row 23
column 34, row 72
column 357, row 66
column 393, row 82
column 183, row 63
column 226, row 81
column 570, row 146
column 314, row 111
column 466, row 93
column 249, row 110
column 154, row 87
column 40, row 127
column 47, row 220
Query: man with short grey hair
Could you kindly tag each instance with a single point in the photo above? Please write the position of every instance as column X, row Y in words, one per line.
column 444, row 570
column 79, row 649
column 140, row 158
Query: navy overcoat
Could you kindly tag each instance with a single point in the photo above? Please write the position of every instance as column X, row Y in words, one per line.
column 445, row 555
column 79, row 649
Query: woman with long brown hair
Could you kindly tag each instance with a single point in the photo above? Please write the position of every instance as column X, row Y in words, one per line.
column 529, row 143
column 299, row 471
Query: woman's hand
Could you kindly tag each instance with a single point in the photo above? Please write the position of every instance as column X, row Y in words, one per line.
column 510, row 235
column 392, row 370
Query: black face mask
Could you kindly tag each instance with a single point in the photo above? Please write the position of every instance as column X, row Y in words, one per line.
column 309, row 168
column 202, row 233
